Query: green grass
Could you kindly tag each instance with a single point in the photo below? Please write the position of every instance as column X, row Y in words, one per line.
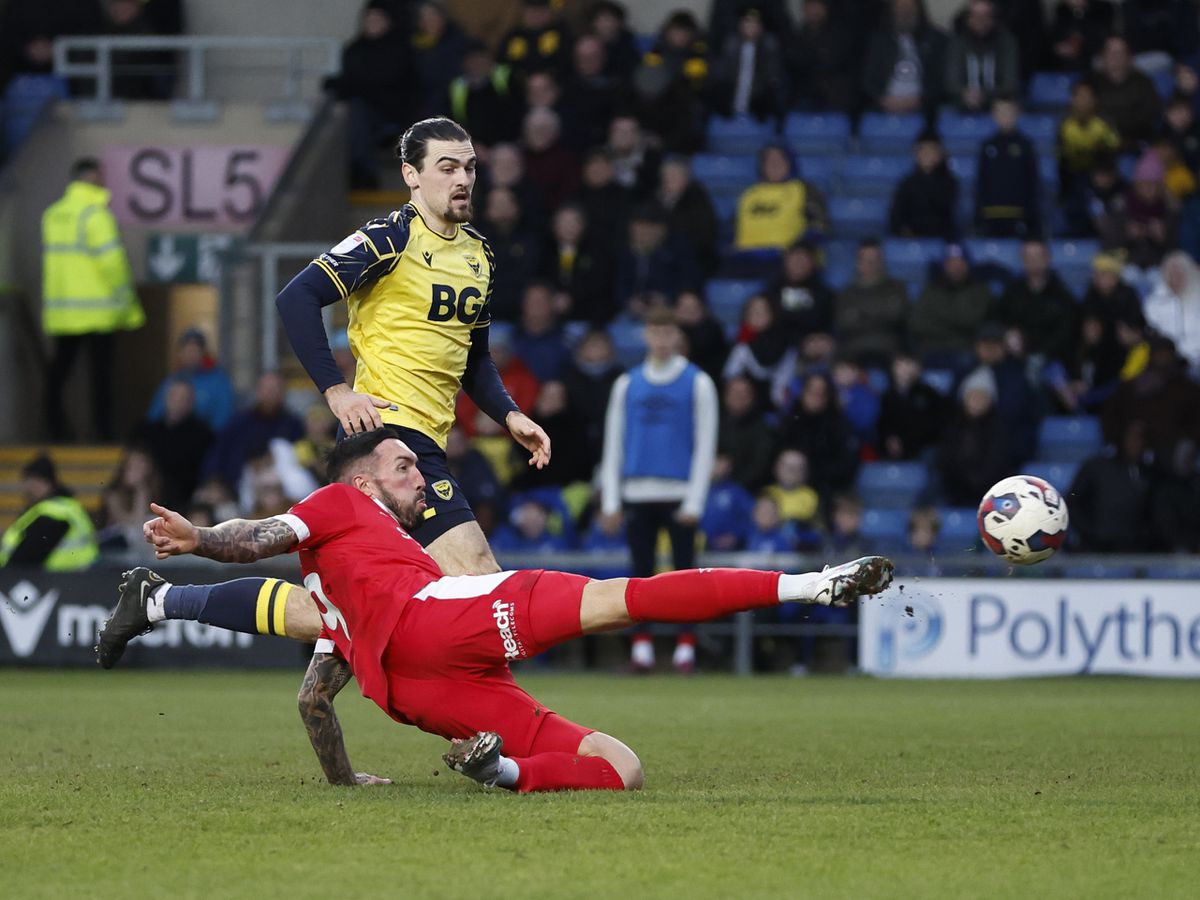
column 202, row 784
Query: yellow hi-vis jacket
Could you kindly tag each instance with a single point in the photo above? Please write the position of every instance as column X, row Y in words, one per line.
column 87, row 285
column 77, row 549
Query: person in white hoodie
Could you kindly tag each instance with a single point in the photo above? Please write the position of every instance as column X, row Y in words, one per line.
column 1173, row 307
column 660, row 443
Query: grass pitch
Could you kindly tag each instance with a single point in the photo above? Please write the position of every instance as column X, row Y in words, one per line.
column 139, row 784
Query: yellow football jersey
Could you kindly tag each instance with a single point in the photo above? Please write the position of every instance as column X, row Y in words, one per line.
column 414, row 298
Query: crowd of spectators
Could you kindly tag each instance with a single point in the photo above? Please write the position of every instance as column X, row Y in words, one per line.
column 588, row 135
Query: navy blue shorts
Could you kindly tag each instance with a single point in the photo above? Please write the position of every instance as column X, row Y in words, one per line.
column 445, row 505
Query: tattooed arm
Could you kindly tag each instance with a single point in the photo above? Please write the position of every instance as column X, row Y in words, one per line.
column 238, row 540
column 326, row 675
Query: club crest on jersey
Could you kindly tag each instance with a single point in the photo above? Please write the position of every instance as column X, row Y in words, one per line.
column 443, row 489
column 474, row 264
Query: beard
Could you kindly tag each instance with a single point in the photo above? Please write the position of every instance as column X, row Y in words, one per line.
column 407, row 515
column 459, row 216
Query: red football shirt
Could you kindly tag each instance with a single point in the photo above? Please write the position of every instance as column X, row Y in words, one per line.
column 362, row 569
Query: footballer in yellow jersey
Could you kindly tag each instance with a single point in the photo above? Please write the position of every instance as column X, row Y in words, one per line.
column 417, row 283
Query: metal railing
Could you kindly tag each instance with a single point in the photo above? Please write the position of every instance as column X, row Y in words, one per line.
column 194, row 50
column 268, row 257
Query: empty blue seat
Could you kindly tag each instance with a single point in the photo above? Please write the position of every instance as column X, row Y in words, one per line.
column 1059, row 474
column 1048, row 174
column 890, row 485
column 965, row 169
column 872, row 176
column 1006, row 253
column 1042, row 129
column 859, row 216
column 628, row 341
column 820, row 171
column 1073, row 255
column 910, row 258
column 725, row 205
column 727, row 296
column 723, row 171
column 960, row 528
column 1051, row 90
column 964, row 133
column 884, row 133
column 887, row 529
column 1103, row 570
column 742, row 134
column 1069, row 438
column 24, row 99
column 941, row 380
column 817, row 132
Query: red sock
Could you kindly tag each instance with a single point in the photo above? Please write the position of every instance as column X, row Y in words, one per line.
column 696, row 595
column 566, row 772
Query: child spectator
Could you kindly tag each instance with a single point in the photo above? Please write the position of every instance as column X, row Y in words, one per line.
column 845, row 528
column 529, row 530
column 924, row 527
column 925, row 201
column 725, row 522
column 126, row 500
column 1083, row 138
column 797, row 500
column 857, row 400
column 1006, row 192
column 1092, row 207
column 214, row 398
column 768, row 532
column 780, row 208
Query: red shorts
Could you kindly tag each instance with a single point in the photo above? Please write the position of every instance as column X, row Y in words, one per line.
column 447, row 660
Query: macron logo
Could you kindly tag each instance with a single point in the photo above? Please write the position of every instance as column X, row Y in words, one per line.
column 23, row 614
column 502, row 612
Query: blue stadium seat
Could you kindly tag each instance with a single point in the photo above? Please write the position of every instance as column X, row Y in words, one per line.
column 960, row 528
column 1164, row 83
column 1005, row 253
column 820, row 171
column 839, row 258
column 725, row 206
column 886, row 529
column 859, row 216
column 739, row 135
column 1051, row 90
column 727, row 296
column 817, row 133
column 1042, row 129
column 628, row 342
column 964, row 133
column 883, row 133
column 966, row 170
column 941, row 380
column 910, row 258
column 872, row 176
column 24, row 99
column 1073, row 255
column 1059, row 474
column 725, row 172
column 1069, row 438
column 892, row 484
column 1048, row 174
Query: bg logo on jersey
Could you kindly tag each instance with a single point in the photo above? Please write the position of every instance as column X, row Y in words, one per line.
column 503, row 613
column 447, row 304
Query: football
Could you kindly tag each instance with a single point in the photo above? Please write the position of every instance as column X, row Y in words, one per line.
column 1023, row 519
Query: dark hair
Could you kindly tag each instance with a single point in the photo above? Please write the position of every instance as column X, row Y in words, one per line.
column 413, row 143
column 347, row 452
column 86, row 165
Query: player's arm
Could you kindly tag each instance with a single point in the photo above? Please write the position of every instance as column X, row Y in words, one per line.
column 357, row 261
column 327, row 674
column 482, row 383
column 238, row 540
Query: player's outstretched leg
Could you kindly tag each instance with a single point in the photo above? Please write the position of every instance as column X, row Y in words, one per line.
column 248, row 605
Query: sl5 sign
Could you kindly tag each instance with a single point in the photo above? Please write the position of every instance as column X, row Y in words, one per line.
column 206, row 186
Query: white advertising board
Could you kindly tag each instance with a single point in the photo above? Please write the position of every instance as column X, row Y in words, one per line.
column 998, row 628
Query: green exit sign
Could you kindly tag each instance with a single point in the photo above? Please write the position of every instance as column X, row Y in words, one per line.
column 185, row 258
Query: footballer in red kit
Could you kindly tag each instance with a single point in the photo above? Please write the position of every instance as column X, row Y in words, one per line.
column 433, row 650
